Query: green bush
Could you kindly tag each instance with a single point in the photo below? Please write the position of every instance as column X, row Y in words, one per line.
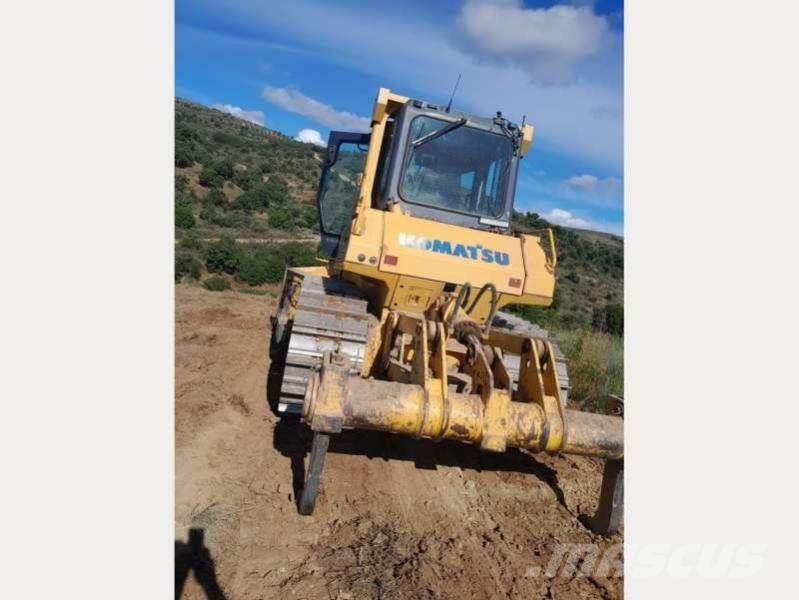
column 239, row 219
column 276, row 191
column 609, row 319
column 244, row 179
column 187, row 264
column 266, row 264
column 262, row 266
column 210, row 178
column 614, row 319
column 190, row 241
column 297, row 254
column 224, row 256
column 184, row 216
column 183, row 157
column 281, row 218
column 596, row 365
column 215, row 197
column 309, row 216
column 210, row 214
column 225, row 169
column 252, row 200
column 181, row 183
column 216, row 283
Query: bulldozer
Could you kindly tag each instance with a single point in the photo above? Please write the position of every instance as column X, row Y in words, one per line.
column 399, row 328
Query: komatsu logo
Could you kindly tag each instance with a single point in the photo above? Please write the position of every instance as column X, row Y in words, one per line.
column 476, row 252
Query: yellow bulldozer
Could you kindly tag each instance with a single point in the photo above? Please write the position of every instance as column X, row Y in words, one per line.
column 400, row 329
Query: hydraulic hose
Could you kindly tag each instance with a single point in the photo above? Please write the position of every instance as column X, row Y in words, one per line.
column 491, row 313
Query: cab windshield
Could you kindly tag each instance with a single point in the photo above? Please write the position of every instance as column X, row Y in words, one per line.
column 462, row 169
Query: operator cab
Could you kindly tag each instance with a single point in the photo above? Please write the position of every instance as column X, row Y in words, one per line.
column 441, row 165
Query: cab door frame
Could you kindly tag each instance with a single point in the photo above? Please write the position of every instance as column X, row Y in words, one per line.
column 330, row 240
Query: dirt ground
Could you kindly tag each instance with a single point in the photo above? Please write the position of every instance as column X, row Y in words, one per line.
column 396, row 517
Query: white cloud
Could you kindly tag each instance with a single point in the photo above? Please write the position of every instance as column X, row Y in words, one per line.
column 433, row 50
column 310, row 136
column 558, row 216
column 294, row 101
column 565, row 218
column 592, row 184
column 547, row 42
column 253, row 116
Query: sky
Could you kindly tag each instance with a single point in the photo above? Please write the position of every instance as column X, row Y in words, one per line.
column 308, row 66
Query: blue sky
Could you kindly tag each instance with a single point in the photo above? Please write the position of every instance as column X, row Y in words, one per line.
column 308, row 66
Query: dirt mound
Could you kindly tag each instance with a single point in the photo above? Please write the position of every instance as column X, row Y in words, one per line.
column 396, row 517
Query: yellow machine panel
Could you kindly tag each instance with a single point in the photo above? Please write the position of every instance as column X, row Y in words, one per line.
column 539, row 266
column 431, row 250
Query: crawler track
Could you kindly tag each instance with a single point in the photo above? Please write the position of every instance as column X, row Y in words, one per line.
column 331, row 315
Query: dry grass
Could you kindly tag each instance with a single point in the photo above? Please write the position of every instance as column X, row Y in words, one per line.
column 596, row 365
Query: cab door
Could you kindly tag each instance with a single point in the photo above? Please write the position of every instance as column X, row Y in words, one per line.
column 339, row 186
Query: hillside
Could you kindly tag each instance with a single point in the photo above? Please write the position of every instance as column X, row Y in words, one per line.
column 234, row 178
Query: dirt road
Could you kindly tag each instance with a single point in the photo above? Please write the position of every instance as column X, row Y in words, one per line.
column 396, row 517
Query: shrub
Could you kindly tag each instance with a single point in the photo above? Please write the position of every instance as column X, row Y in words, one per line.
column 266, row 264
column 210, row 214
column 216, row 283
column 309, row 216
column 224, row 168
column 609, row 319
column 614, row 319
column 215, row 197
column 187, row 264
column 181, row 183
column 280, row 218
column 297, row 254
column 184, row 216
column 210, row 178
column 276, row 191
column 183, row 157
column 224, row 256
column 251, row 200
column 262, row 266
column 596, row 365
column 239, row 219
column 190, row 241
column 243, row 179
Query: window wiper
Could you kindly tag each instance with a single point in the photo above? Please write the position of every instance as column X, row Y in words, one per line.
column 438, row 133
